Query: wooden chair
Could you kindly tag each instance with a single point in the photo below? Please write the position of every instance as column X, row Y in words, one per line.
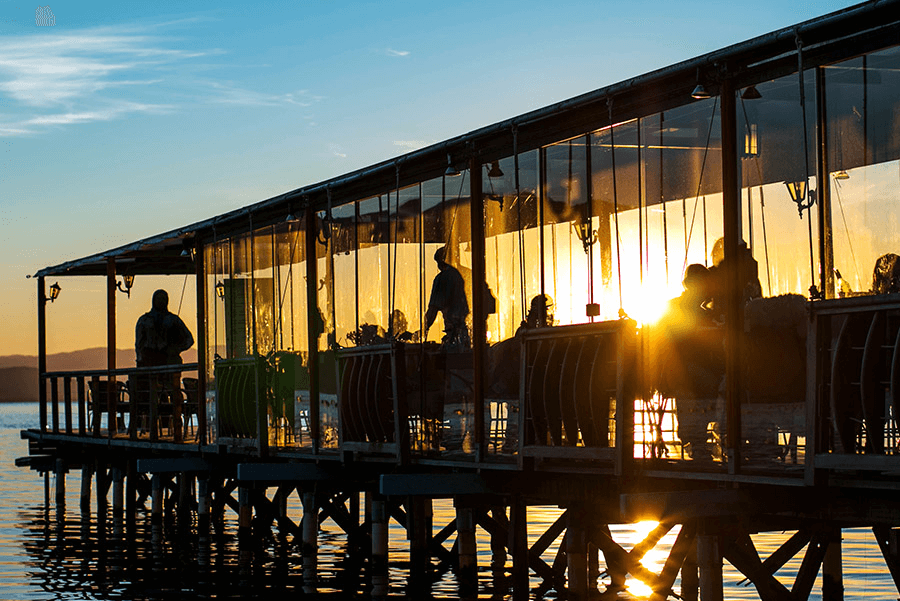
column 107, row 395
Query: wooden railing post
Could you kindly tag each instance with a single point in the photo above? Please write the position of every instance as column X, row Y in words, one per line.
column 42, row 352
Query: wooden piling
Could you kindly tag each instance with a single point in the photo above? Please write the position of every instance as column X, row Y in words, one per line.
column 60, row 487
column 576, row 556
column 379, row 520
column 832, row 569
column 690, row 576
column 156, row 500
column 709, row 560
column 310, row 529
column 87, row 474
column 518, row 532
column 118, row 498
column 203, row 507
column 466, row 548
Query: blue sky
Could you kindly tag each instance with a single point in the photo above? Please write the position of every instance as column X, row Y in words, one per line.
column 123, row 120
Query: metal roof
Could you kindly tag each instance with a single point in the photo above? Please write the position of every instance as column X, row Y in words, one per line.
column 838, row 35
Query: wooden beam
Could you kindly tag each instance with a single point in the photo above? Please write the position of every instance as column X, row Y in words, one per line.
column 684, row 542
column 809, row 568
column 889, row 543
column 744, row 557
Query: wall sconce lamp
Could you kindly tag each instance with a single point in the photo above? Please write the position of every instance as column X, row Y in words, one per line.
column 803, row 197
column 586, row 234
column 494, row 172
column 54, row 292
column 451, row 170
column 220, row 289
column 128, row 281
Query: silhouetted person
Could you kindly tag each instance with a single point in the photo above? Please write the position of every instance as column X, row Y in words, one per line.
column 159, row 339
column 540, row 313
column 748, row 277
column 448, row 295
column 690, row 354
column 160, row 336
column 886, row 275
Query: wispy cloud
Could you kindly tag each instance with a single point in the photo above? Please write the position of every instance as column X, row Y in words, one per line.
column 392, row 52
column 57, row 79
column 337, row 151
column 410, row 144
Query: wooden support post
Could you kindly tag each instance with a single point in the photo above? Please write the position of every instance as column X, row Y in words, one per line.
column 60, row 488
column 690, row 577
column 130, row 496
column 156, row 500
column 379, row 519
column 185, row 497
column 87, row 473
column 419, row 517
column 245, row 531
column 832, row 570
column 498, row 542
column 466, row 549
column 310, row 548
column 709, row 559
column 518, row 545
column 42, row 352
column 203, row 507
column 118, row 498
column 111, row 342
column 576, row 556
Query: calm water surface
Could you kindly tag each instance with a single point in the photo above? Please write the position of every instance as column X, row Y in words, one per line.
column 43, row 557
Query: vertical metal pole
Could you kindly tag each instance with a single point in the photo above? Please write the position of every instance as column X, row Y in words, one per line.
column 42, row 351
column 111, row 343
column 313, row 323
column 733, row 293
column 479, row 330
column 826, row 240
column 200, row 266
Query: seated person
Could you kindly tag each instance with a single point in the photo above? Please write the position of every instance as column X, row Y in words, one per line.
column 540, row 314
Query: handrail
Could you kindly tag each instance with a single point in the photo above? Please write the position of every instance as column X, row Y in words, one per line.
column 87, row 420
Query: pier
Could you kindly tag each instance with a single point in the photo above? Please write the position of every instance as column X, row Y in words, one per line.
column 333, row 370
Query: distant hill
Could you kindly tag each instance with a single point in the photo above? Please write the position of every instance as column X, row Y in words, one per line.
column 19, row 375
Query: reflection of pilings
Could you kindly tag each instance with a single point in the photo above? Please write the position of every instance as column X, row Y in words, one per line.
column 60, row 489
column 467, row 549
column 709, row 558
column 310, row 548
column 379, row 519
column 576, row 555
column 156, row 518
column 102, row 484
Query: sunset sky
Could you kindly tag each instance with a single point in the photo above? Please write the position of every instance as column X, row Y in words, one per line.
column 122, row 120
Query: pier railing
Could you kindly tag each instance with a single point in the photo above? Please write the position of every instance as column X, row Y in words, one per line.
column 578, row 387
column 854, row 366
column 147, row 403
